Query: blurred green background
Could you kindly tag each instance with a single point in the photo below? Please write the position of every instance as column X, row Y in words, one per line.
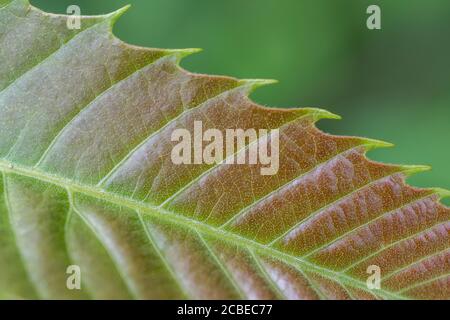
column 391, row 84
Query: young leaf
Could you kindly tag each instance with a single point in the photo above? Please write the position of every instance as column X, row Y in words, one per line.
column 87, row 179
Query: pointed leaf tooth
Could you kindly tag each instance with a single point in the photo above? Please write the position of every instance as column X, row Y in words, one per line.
column 254, row 84
column 443, row 193
column 319, row 114
column 114, row 16
column 182, row 53
column 375, row 144
column 413, row 169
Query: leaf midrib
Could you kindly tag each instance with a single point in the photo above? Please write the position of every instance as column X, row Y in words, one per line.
column 166, row 215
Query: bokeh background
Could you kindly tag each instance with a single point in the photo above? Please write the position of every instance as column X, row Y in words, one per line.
column 391, row 84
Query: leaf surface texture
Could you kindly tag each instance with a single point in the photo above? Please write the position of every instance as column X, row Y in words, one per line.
column 87, row 179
